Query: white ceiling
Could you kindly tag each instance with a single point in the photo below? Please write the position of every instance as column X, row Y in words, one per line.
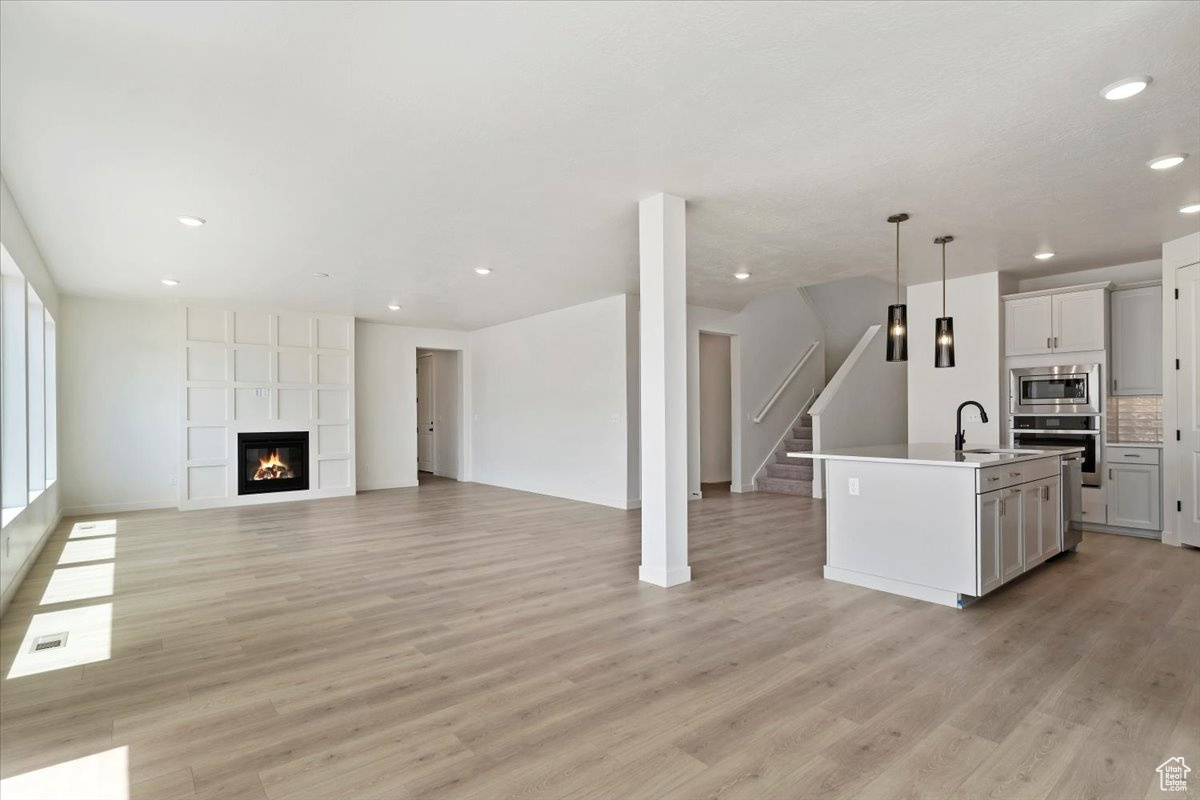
column 398, row 146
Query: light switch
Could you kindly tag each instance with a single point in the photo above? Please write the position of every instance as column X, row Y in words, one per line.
column 854, row 487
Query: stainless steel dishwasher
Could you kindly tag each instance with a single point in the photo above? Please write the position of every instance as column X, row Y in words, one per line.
column 1072, row 501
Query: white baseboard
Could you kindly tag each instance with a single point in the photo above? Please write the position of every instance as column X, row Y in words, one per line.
column 631, row 505
column 116, row 508
column 916, row 591
column 746, row 487
column 664, row 577
column 373, row 487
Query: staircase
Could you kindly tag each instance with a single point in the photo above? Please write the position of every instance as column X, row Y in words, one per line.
column 791, row 475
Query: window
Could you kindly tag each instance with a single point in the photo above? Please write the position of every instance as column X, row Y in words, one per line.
column 28, row 392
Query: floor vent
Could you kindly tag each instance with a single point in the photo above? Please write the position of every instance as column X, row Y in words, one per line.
column 48, row 642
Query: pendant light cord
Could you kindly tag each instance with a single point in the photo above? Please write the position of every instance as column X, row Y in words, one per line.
column 897, row 262
column 943, row 277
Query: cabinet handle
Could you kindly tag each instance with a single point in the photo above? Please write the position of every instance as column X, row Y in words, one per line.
column 1048, row 345
column 1045, row 492
column 1110, row 473
column 1131, row 455
column 1056, row 341
column 994, row 478
column 1014, row 474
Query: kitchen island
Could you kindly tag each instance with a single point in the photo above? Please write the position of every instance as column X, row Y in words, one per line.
column 938, row 524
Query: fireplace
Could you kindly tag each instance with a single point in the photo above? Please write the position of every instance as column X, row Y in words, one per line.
column 272, row 462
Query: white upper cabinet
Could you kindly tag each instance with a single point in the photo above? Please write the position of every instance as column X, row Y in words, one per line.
column 1027, row 325
column 1079, row 319
column 1137, row 341
column 1059, row 322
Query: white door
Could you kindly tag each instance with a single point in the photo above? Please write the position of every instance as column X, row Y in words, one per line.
column 1187, row 332
column 1137, row 341
column 1027, row 326
column 988, row 546
column 1012, row 550
column 1031, row 522
column 425, row 432
column 1079, row 319
column 1133, row 496
column 1051, row 521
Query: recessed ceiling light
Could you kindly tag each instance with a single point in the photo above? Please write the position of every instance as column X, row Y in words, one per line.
column 483, row 270
column 1043, row 255
column 1194, row 208
column 1167, row 161
column 393, row 306
column 190, row 221
column 320, row 274
column 741, row 275
column 169, row 282
column 1126, row 87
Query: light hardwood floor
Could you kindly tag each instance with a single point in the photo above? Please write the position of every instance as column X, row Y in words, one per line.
column 468, row 641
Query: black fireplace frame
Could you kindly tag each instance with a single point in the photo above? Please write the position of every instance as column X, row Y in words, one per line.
column 273, row 439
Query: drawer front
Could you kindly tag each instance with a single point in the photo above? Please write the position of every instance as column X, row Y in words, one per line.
column 1132, row 455
column 1001, row 476
column 998, row 477
column 1041, row 468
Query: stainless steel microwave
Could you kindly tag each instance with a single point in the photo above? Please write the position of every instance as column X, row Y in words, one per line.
column 1071, row 389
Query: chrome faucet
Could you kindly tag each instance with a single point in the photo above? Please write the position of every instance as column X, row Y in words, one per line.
column 960, row 436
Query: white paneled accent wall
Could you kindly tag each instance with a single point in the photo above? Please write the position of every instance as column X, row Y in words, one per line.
column 248, row 370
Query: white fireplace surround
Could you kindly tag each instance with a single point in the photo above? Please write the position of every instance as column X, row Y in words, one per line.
column 255, row 370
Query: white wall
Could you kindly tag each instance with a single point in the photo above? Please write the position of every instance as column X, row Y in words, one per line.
column 447, row 411
column 847, row 308
column 866, row 403
column 550, row 403
column 715, row 396
column 1119, row 274
column 934, row 394
column 118, row 405
column 385, row 401
column 24, row 536
column 769, row 335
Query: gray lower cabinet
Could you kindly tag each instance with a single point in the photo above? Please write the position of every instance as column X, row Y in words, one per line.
column 1134, row 496
column 1017, row 528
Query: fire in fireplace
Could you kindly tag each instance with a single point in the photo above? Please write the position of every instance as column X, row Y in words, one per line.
column 273, row 462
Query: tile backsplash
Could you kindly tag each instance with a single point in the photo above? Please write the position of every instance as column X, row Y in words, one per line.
column 1134, row 419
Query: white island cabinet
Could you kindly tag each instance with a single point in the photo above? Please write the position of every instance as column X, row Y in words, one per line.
column 946, row 526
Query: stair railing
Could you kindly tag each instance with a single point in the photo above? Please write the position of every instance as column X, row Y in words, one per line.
column 762, row 414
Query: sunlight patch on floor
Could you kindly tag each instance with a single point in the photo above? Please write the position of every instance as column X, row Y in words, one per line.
column 94, row 549
column 103, row 776
column 89, row 639
column 95, row 527
column 68, row 584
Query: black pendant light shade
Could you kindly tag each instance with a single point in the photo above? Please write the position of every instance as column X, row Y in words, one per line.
column 897, row 332
column 943, row 326
column 943, row 337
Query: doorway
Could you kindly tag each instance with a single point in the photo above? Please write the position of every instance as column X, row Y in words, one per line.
column 716, row 405
column 438, row 417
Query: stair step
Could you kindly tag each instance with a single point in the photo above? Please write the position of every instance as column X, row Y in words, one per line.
column 780, row 458
column 799, row 472
column 797, row 445
column 785, row 486
column 805, row 422
column 802, row 433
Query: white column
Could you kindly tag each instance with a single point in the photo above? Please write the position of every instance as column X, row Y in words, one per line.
column 664, row 390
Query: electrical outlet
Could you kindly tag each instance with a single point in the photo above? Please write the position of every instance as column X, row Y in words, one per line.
column 174, row 481
column 854, row 487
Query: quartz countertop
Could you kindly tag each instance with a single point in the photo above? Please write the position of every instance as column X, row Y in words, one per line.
column 936, row 454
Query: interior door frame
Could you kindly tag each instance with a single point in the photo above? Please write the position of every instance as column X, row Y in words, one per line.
column 432, row 367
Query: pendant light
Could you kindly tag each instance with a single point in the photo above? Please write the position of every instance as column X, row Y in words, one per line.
column 943, row 327
column 897, row 339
